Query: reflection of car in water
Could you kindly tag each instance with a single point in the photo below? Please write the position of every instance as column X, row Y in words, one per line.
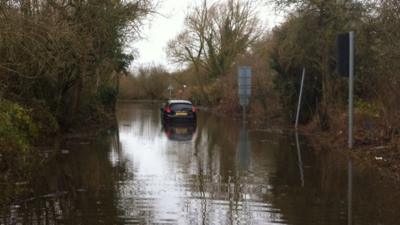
column 179, row 131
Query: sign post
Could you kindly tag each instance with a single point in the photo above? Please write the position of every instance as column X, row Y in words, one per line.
column 244, row 83
column 345, row 67
column 170, row 88
column 351, row 88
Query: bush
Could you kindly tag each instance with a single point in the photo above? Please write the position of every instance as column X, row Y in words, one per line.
column 108, row 95
column 17, row 128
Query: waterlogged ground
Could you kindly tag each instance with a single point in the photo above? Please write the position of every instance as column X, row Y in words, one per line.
column 215, row 172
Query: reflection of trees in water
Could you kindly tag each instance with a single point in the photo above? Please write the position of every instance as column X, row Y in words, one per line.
column 77, row 188
column 303, row 196
column 325, row 194
column 222, row 178
column 146, row 117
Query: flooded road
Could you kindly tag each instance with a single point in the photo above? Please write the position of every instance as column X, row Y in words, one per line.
column 214, row 172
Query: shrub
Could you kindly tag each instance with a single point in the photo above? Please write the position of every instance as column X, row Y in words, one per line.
column 17, row 128
column 108, row 95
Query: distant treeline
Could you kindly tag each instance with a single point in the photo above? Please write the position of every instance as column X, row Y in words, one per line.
column 219, row 37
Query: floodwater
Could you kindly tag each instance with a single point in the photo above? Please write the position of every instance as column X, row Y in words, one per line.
column 217, row 171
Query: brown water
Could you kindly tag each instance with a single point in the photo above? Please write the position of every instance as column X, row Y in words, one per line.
column 217, row 172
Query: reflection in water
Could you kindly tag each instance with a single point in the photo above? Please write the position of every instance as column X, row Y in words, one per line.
column 350, row 193
column 180, row 131
column 243, row 148
column 300, row 163
column 216, row 172
column 188, row 182
column 75, row 188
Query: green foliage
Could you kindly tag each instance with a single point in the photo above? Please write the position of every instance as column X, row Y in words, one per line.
column 291, row 51
column 369, row 108
column 17, row 129
column 287, row 84
column 108, row 95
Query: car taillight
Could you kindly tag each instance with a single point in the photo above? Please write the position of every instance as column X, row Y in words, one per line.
column 168, row 110
column 193, row 109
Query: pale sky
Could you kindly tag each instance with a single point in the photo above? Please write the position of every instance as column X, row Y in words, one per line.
column 168, row 23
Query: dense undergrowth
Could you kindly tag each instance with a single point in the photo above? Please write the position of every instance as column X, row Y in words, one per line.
column 60, row 63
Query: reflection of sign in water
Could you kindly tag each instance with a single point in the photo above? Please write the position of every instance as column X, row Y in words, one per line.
column 243, row 149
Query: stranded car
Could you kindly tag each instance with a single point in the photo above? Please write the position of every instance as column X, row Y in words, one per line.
column 178, row 110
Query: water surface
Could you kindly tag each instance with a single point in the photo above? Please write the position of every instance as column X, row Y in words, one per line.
column 217, row 171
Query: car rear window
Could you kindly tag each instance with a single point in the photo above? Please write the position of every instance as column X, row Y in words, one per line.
column 181, row 107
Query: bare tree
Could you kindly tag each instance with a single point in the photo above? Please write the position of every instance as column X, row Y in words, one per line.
column 215, row 35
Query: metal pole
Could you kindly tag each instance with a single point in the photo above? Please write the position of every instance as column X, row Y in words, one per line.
column 351, row 89
column 300, row 98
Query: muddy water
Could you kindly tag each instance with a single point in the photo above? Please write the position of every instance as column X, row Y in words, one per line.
column 214, row 172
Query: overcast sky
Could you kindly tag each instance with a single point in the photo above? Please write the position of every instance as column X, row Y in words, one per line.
column 169, row 22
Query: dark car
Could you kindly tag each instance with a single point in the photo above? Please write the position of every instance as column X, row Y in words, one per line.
column 178, row 110
column 180, row 131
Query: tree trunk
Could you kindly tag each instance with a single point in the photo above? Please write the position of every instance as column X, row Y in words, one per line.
column 323, row 114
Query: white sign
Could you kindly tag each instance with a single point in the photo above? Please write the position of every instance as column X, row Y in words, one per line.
column 244, row 83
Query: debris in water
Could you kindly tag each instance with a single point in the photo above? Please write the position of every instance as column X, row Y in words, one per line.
column 65, row 151
column 15, row 206
column 21, row 183
column 55, row 195
column 380, row 147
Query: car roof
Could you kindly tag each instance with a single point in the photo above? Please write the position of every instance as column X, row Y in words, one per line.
column 179, row 101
